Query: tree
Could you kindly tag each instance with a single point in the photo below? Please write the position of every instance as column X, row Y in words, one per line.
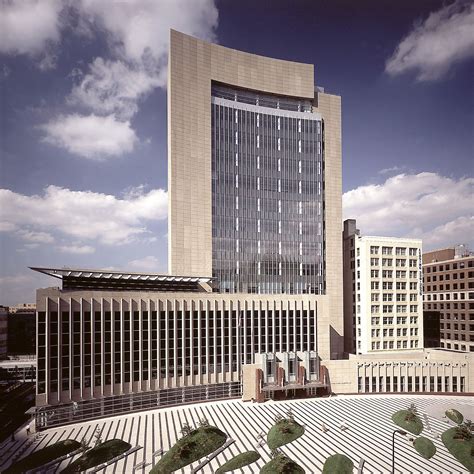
column 98, row 439
column 203, row 422
column 412, row 412
column 464, row 430
column 186, row 429
column 279, row 417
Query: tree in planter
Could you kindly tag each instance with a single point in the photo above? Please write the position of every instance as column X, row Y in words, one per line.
column 411, row 413
column 278, row 418
column 98, row 440
column 284, row 428
column 204, row 423
column 290, row 416
column 186, row 429
column 84, row 445
column 464, row 430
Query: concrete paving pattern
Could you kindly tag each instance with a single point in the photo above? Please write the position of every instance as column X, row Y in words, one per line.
column 368, row 434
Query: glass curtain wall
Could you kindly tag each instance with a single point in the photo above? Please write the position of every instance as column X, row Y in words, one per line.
column 267, row 194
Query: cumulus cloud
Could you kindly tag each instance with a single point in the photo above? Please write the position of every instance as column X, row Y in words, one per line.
column 84, row 215
column 445, row 38
column 90, row 136
column 29, row 26
column 148, row 263
column 139, row 30
column 76, row 249
column 435, row 208
column 138, row 35
column 112, row 87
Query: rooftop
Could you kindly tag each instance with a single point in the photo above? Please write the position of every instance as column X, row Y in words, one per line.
column 368, row 434
column 96, row 279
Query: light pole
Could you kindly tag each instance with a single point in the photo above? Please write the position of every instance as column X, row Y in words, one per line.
column 404, row 433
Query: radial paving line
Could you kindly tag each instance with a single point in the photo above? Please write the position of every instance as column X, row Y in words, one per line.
column 383, row 440
column 442, row 460
column 366, row 415
column 237, row 416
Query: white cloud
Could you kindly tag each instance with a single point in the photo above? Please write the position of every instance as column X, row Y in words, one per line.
column 7, row 227
column 29, row 26
column 36, row 237
column 93, row 137
column 15, row 279
column 148, row 263
column 113, row 87
column 425, row 205
column 392, row 170
column 139, row 30
column 138, row 35
column 85, row 215
column 77, row 249
column 21, row 288
column 445, row 38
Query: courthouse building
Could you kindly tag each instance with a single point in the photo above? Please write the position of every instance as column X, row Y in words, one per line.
column 253, row 303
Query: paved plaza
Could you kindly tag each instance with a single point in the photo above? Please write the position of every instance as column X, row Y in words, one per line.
column 369, row 433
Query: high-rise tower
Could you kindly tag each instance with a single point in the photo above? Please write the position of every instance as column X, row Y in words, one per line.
column 254, row 172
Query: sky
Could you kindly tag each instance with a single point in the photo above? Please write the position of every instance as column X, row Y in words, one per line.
column 83, row 153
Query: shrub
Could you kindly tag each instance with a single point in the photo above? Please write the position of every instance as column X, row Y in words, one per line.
column 408, row 421
column 281, row 464
column 425, row 447
column 461, row 449
column 454, row 416
column 239, row 461
column 43, row 456
column 338, row 464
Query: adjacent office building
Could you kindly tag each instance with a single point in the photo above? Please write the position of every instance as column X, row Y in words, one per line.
column 382, row 292
column 449, row 294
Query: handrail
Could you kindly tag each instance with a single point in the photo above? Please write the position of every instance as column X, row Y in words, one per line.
column 211, row 456
column 59, row 460
column 114, row 460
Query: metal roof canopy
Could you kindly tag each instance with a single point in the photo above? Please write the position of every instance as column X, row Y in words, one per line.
column 82, row 278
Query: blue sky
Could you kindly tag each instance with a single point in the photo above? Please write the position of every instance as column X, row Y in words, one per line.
column 83, row 171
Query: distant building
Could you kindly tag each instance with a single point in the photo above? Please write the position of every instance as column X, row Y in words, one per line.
column 22, row 332
column 22, row 308
column 431, row 329
column 3, row 331
column 382, row 292
column 448, row 276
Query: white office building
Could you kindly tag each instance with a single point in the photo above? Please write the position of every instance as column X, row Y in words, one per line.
column 383, row 303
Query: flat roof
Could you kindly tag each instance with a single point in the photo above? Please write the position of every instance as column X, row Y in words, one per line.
column 77, row 278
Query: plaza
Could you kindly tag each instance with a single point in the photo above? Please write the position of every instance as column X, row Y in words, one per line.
column 369, row 433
